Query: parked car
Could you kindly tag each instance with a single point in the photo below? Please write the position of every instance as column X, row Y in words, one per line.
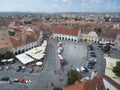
column 16, row 80
column 28, row 81
column 5, row 78
column 93, row 55
column 92, row 59
column 91, row 65
column 22, row 81
column 31, row 70
column 1, row 68
column 23, row 69
column 83, row 69
column 92, row 52
column 7, row 67
column 18, row 69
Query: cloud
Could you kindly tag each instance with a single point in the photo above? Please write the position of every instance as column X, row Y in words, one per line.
column 60, row 5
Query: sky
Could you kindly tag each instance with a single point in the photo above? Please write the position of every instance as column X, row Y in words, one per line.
column 60, row 5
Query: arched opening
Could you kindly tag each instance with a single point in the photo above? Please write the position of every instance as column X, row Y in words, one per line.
column 15, row 53
column 19, row 52
column 22, row 51
column 85, row 40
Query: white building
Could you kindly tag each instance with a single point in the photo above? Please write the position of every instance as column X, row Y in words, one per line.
column 72, row 34
column 25, row 38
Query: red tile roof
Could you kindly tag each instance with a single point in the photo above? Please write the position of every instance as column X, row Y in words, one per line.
column 4, row 39
column 14, row 25
column 15, row 42
column 67, row 31
column 96, row 82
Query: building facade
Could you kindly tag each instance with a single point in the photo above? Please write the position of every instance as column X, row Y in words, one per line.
column 62, row 33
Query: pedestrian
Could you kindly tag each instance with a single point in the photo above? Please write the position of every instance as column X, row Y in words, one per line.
column 55, row 71
column 52, row 84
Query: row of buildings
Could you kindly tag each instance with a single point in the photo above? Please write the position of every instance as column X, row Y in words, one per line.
column 25, row 37
column 77, row 34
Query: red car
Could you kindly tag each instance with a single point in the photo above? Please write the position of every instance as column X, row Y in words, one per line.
column 105, row 52
column 22, row 81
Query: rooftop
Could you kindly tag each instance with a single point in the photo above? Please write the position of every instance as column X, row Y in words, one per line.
column 67, row 31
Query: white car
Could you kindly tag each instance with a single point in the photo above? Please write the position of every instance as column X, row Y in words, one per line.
column 93, row 59
column 28, row 81
column 77, row 69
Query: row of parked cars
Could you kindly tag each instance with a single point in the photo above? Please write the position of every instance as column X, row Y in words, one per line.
column 17, row 69
column 60, row 50
column 92, row 58
column 16, row 80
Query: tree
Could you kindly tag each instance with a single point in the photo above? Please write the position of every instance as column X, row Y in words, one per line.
column 11, row 33
column 73, row 75
column 116, row 69
column 8, row 55
column 27, row 21
column 107, row 48
column 98, row 30
column 107, row 19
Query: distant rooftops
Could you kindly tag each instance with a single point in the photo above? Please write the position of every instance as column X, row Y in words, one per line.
column 4, row 39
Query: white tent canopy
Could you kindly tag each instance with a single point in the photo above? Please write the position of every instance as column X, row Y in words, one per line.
column 25, row 59
column 37, row 53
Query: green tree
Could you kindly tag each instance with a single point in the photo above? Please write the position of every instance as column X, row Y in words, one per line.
column 116, row 69
column 107, row 19
column 27, row 21
column 107, row 48
column 73, row 75
column 8, row 55
column 11, row 33
column 98, row 30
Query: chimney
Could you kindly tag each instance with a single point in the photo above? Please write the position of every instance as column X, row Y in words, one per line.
column 94, row 74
